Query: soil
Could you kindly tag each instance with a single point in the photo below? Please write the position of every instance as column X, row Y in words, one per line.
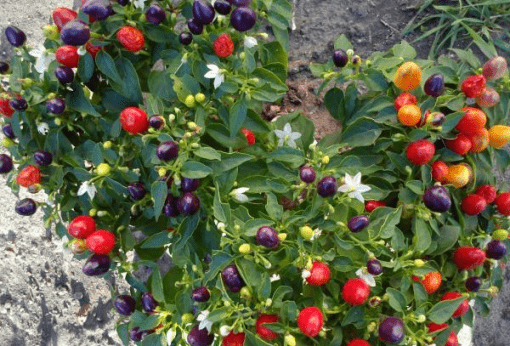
column 44, row 298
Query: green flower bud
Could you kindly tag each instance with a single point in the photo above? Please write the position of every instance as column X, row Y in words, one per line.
column 289, row 340
column 190, row 101
column 187, row 318
column 107, row 145
column 306, row 232
column 282, row 236
column 103, row 169
column 500, row 234
column 6, row 142
column 245, row 293
column 92, row 212
column 162, row 172
column 51, row 32
column 245, row 249
column 419, row 262
column 325, row 160
column 200, row 97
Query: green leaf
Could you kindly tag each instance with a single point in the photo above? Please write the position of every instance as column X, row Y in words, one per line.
column 252, row 340
column 288, row 155
column 229, row 161
column 123, row 333
column 274, row 210
column 156, row 241
column 161, row 85
column 334, row 102
column 86, row 67
column 249, row 272
column 157, row 285
column 106, row 65
column 207, row 153
column 362, row 132
column 353, row 316
column 422, row 231
column 221, row 210
column 154, row 339
column 130, row 86
column 279, row 295
column 448, row 237
column 159, row 192
column 342, row 42
column 195, row 170
column 404, row 50
column 396, row 300
column 443, row 311
column 76, row 100
column 237, row 117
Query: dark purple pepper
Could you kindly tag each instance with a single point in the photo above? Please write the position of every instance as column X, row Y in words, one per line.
column 65, row 75
column 56, row 106
column 155, row 14
column 307, row 174
column 496, row 249
column 437, row 198
column 207, row 258
column 75, row 33
column 222, row 7
column 241, row 3
column 4, row 67
column 136, row 334
column 96, row 265
column 157, row 122
column 268, row 237
column 148, row 302
column 188, row 204
column 340, row 58
column 5, row 164
column 43, row 158
column 19, row 104
column 136, row 191
column 125, row 304
column 170, row 207
column 232, row 279
column 185, row 38
column 473, row 283
column 195, row 27
column 200, row 337
column 99, row 9
column 15, row 36
column 434, row 85
column 200, row 294
column 374, row 267
column 8, row 131
column 189, row 185
column 391, row 330
column 203, row 12
column 167, row 151
column 123, row 2
column 327, row 186
column 243, row 18
column 357, row 223
column 26, row 207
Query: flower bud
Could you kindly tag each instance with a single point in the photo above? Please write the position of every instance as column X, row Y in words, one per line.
column 102, row 213
column 289, row 340
column 282, row 236
column 6, row 142
column 419, row 263
column 493, row 291
column 107, row 145
column 245, row 249
column 269, row 301
column 421, row 318
column 190, row 101
column 225, row 330
column 51, row 32
column 191, row 125
column 103, row 169
column 58, row 121
column 187, row 318
column 200, row 97
column 171, row 117
column 92, row 212
column 500, row 234
column 242, row 56
column 325, row 160
column 162, row 172
column 306, row 232
column 245, row 293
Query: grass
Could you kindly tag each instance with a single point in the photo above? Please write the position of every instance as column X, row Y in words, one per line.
column 483, row 21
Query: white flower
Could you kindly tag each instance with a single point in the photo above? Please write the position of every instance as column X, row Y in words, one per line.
column 139, row 3
column 353, row 187
column 316, row 234
column 225, row 330
column 250, row 42
column 465, row 336
column 170, row 335
column 43, row 61
column 219, row 225
column 43, row 128
column 239, row 194
column 367, row 277
column 287, row 136
column 204, row 322
column 82, row 50
column 274, row 277
column 305, row 274
column 88, row 188
column 214, row 72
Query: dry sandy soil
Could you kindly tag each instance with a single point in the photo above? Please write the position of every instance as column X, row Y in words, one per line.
column 45, row 299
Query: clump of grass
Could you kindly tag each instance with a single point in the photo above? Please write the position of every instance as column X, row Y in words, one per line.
column 455, row 20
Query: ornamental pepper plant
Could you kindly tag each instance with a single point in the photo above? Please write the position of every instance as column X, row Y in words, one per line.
column 147, row 117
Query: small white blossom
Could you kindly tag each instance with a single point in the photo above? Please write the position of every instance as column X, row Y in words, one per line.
column 219, row 225
column 353, row 187
column 225, row 330
column 43, row 128
column 170, row 335
column 82, row 50
column 215, row 72
column 367, row 277
column 287, row 136
column 465, row 336
column 305, row 274
column 274, row 277
column 139, row 3
column 239, row 194
column 316, row 234
column 204, row 322
column 43, row 61
column 250, row 42
column 88, row 188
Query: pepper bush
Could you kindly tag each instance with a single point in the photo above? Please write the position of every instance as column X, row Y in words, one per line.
column 388, row 232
